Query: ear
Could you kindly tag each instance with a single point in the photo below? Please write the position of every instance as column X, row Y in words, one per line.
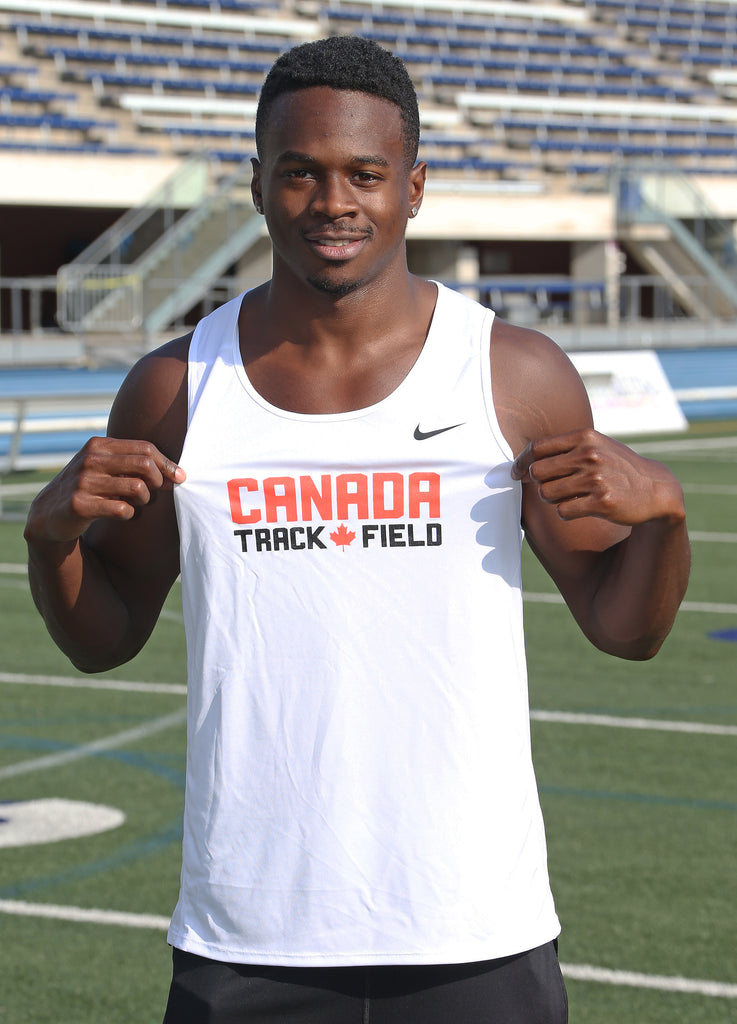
column 256, row 195
column 416, row 183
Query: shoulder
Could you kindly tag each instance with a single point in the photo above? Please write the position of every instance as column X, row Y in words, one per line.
column 151, row 404
column 537, row 390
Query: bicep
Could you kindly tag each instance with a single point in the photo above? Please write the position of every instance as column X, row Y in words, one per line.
column 141, row 560
column 538, row 393
column 141, row 555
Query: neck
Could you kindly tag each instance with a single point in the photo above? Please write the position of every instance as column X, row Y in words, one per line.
column 333, row 355
column 307, row 315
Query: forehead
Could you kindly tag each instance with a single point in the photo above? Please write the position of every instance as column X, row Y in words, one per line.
column 319, row 117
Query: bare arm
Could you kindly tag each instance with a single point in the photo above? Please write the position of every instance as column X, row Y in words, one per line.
column 102, row 536
column 608, row 525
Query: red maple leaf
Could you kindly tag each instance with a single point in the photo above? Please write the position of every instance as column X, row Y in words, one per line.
column 342, row 537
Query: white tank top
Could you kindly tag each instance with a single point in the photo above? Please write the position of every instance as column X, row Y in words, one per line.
column 359, row 787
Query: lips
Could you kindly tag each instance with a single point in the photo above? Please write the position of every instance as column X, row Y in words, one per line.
column 336, row 247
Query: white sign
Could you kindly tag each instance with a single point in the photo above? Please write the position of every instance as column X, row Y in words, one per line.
column 629, row 393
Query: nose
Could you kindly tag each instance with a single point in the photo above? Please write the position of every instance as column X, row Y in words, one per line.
column 333, row 198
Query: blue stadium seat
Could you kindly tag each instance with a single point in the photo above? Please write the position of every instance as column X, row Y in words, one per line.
column 55, row 121
column 534, row 59
column 124, row 58
column 148, row 37
column 15, row 94
column 79, row 147
column 247, row 6
column 160, row 83
column 585, row 126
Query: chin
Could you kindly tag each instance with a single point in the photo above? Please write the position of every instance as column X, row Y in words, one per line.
column 328, row 286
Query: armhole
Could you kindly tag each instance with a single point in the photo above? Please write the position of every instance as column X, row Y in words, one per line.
column 487, row 323
column 195, row 373
column 215, row 338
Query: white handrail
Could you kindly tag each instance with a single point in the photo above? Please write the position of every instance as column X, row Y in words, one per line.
column 21, row 415
column 148, row 15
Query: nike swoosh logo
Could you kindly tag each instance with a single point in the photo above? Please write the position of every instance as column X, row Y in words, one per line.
column 421, row 435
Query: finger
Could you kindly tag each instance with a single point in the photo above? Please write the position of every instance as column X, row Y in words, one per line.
column 173, row 472
column 543, row 448
column 544, row 470
column 122, row 458
column 157, row 470
column 521, row 465
column 88, row 507
column 167, row 467
column 556, row 487
column 577, row 507
column 111, row 483
column 131, row 488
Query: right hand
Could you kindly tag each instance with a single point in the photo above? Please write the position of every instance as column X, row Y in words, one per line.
column 108, row 478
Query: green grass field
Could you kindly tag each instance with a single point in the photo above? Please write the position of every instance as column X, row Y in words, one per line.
column 641, row 814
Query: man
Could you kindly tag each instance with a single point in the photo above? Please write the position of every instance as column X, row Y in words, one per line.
column 363, row 839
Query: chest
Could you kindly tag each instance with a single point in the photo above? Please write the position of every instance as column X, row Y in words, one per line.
column 314, row 380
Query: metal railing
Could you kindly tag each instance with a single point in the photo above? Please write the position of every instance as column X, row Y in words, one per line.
column 543, row 299
column 693, row 239
column 647, row 194
column 166, row 263
column 125, row 240
column 27, row 304
column 58, row 426
column 57, row 421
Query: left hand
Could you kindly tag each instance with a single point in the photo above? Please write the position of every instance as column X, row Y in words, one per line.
column 585, row 473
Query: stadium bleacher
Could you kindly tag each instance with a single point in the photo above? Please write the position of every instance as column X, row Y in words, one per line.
column 554, row 99
column 133, row 61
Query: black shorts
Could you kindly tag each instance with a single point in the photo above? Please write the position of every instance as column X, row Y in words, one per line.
column 523, row 989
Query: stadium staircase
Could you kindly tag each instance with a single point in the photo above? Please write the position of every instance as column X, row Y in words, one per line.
column 163, row 257
column 559, row 96
column 668, row 227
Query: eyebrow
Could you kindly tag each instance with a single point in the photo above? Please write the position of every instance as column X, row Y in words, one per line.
column 294, row 156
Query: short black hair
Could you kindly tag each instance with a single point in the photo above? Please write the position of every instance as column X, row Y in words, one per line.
column 344, row 62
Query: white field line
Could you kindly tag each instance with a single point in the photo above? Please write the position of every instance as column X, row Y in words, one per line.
column 119, row 739
column 713, row 538
column 13, row 584
column 577, row 972
column 583, row 972
column 171, row 616
column 535, row 598
column 690, row 444
column 686, row 606
column 623, row 722
column 695, row 986
column 175, row 689
column 564, row 717
column 723, row 489
column 84, row 915
column 709, row 606
column 19, row 569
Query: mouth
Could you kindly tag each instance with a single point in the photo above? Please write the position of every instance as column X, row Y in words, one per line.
column 335, row 248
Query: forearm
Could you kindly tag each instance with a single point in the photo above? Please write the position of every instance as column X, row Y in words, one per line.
column 610, row 528
column 640, row 589
column 83, row 612
column 103, row 549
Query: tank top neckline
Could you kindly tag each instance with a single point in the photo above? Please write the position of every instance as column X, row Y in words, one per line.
column 416, row 370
